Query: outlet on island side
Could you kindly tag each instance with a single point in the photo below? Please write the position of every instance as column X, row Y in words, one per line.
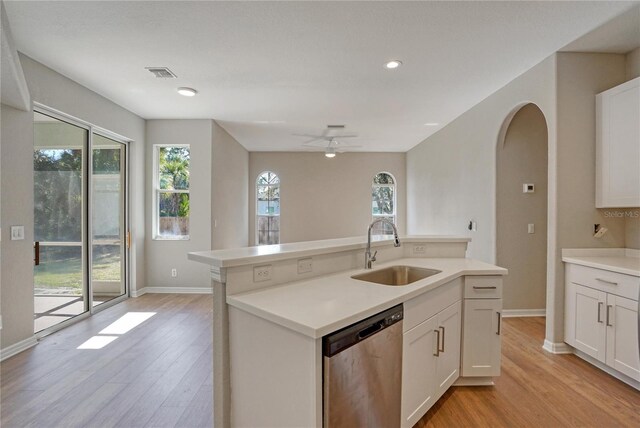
column 305, row 265
column 262, row 273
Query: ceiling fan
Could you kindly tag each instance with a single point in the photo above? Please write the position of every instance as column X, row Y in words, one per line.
column 329, row 141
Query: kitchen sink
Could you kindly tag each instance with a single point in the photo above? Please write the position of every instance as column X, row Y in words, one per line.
column 396, row 275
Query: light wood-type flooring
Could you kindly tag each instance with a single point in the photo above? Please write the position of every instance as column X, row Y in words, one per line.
column 538, row 389
column 159, row 375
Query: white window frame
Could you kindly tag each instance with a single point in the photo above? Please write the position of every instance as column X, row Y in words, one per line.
column 157, row 191
column 257, row 234
column 394, row 188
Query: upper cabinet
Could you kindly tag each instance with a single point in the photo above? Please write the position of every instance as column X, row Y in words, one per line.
column 618, row 146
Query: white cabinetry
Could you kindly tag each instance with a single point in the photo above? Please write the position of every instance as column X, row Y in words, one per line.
column 482, row 340
column 618, row 146
column 430, row 350
column 601, row 317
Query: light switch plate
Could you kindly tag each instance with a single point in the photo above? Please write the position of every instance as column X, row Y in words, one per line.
column 531, row 228
column 17, row 233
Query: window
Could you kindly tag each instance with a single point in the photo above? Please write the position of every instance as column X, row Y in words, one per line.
column 171, row 182
column 383, row 202
column 268, row 209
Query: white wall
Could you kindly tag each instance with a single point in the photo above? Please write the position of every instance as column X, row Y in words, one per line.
column 323, row 198
column 229, row 191
column 58, row 92
column 164, row 255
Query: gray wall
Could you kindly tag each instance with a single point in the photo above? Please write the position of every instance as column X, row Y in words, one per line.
column 16, row 127
column 164, row 255
column 56, row 91
column 229, row 191
column 632, row 224
column 451, row 176
column 522, row 158
column 323, row 198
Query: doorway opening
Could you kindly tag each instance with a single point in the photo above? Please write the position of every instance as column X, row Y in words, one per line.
column 521, row 211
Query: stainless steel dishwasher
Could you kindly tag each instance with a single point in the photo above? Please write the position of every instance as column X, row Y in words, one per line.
column 363, row 373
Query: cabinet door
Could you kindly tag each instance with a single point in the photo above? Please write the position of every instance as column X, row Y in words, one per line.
column 482, row 337
column 448, row 363
column 622, row 335
column 618, row 146
column 419, row 349
column 585, row 320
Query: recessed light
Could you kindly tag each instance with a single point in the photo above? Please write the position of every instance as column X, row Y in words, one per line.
column 431, row 124
column 187, row 92
column 393, row 64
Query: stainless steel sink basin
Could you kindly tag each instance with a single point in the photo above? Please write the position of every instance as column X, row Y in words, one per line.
column 396, row 275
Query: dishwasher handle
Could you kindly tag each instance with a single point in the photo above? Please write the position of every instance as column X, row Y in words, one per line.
column 371, row 330
column 343, row 339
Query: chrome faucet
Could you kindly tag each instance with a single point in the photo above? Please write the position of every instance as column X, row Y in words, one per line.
column 368, row 258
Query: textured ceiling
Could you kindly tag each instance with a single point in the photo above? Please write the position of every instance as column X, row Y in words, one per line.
column 266, row 70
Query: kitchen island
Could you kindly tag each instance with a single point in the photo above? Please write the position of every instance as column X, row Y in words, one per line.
column 273, row 305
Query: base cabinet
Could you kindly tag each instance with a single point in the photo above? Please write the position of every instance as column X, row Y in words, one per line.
column 482, row 337
column 482, row 334
column 601, row 324
column 431, row 361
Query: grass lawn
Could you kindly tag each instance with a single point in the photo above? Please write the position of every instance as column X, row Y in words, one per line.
column 64, row 276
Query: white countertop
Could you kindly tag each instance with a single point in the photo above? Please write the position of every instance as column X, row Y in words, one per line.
column 270, row 253
column 621, row 260
column 325, row 304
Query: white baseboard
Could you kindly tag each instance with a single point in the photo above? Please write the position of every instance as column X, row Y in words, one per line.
column 16, row 348
column 557, row 348
column 172, row 290
column 512, row 313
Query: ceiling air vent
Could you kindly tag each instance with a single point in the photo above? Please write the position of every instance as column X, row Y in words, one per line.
column 162, row 72
column 335, row 126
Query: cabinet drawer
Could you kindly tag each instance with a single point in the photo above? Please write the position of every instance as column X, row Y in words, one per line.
column 426, row 305
column 603, row 280
column 483, row 287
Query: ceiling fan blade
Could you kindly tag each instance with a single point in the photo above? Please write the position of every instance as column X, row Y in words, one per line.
column 343, row 136
column 315, row 143
column 309, row 135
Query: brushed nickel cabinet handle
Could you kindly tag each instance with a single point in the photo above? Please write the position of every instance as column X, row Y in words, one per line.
column 606, row 281
column 442, row 350
column 599, row 311
column 499, row 323
column 477, row 287
column 608, row 313
column 437, row 353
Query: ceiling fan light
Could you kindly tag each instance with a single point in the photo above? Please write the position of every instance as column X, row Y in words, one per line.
column 330, row 152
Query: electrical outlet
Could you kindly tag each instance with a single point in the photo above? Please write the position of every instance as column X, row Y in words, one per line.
column 419, row 249
column 531, row 228
column 174, row 272
column 262, row 273
column 305, row 265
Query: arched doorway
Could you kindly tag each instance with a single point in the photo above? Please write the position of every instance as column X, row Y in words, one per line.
column 521, row 210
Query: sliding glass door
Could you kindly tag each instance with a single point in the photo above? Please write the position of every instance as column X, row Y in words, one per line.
column 80, row 220
column 108, row 233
